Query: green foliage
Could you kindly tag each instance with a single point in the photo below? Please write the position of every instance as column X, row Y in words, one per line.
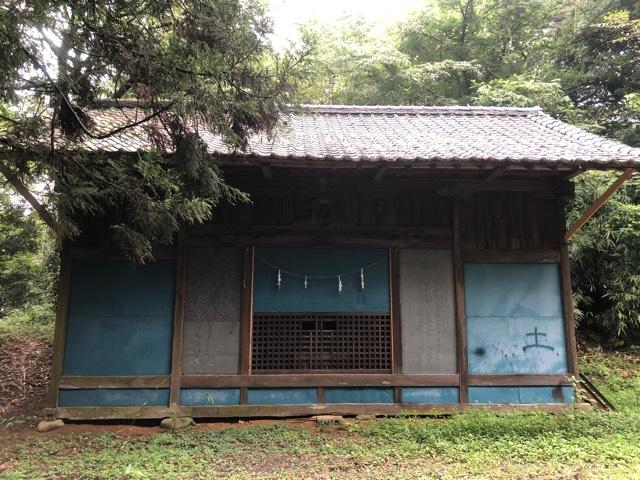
column 601, row 74
column 521, row 91
column 28, row 264
column 348, row 56
column 476, row 444
column 204, row 60
column 617, row 375
column 606, row 256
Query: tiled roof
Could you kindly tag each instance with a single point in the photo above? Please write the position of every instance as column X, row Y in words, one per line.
column 400, row 134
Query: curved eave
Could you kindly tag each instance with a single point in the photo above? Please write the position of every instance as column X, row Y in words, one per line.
column 430, row 162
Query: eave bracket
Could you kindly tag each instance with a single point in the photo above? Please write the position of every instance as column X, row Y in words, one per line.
column 598, row 204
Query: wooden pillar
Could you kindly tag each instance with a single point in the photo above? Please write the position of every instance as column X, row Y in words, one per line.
column 567, row 297
column 246, row 318
column 178, row 321
column 396, row 327
column 461, row 321
column 62, row 312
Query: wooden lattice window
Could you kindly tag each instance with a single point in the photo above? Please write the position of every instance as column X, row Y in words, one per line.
column 288, row 342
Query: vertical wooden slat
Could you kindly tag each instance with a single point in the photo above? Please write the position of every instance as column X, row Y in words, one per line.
column 567, row 297
column 320, row 395
column 62, row 312
column 461, row 323
column 394, row 303
column 178, row 321
column 246, row 317
column 396, row 327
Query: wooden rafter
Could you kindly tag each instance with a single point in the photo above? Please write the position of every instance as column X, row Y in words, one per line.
column 498, row 172
column 379, row 174
column 598, row 204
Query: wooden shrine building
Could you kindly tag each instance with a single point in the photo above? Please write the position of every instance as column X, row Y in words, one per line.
column 392, row 259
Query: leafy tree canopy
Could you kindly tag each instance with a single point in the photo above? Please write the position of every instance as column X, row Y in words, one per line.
column 208, row 60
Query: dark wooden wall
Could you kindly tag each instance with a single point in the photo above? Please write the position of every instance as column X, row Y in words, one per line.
column 340, row 208
column 510, row 221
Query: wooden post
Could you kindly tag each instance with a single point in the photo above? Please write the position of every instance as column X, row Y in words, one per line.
column 461, row 321
column 567, row 297
column 246, row 318
column 598, row 204
column 62, row 312
column 396, row 326
column 178, row 321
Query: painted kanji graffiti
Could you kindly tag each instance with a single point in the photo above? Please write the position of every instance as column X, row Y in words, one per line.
column 536, row 340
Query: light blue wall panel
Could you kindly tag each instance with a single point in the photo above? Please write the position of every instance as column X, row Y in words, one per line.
column 210, row 396
column 321, row 295
column 521, row 394
column 120, row 318
column 114, row 397
column 358, row 395
column 430, row 395
column 281, row 396
column 514, row 318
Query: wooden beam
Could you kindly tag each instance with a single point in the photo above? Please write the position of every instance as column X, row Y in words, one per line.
column 320, row 380
column 462, row 189
column 461, row 321
column 178, row 321
column 112, row 253
column 512, row 256
column 283, row 411
column 598, row 204
column 151, row 381
column 62, row 312
column 519, row 380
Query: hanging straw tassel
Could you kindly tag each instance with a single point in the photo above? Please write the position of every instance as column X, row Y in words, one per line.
column 305, row 282
column 362, row 279
column 279, row 280
column 339, row 284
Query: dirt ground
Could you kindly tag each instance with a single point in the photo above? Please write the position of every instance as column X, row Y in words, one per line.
column 25, row 370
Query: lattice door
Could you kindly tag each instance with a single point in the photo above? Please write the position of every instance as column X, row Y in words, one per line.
column 321, row 341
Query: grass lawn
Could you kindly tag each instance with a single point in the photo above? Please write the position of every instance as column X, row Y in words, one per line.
column 472, row 445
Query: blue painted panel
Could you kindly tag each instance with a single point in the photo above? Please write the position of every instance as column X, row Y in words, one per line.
column 546, row 394
column 430, row 395
column 494, row 395
column 512, row 290
column 116, row 397
column 514, row 318
column 282, row 396
column 118, row 288
column 210, row 396
column 507, row 345
column 521, row 394
column 358, row 395
column 321, row 295
column 120, row 318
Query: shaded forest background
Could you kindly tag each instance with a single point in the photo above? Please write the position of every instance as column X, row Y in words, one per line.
column 579, row 60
